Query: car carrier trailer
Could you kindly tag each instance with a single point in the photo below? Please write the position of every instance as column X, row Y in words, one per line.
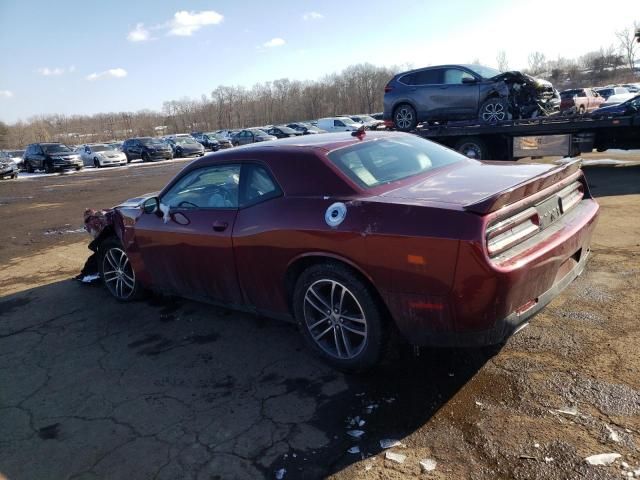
column 542, row 136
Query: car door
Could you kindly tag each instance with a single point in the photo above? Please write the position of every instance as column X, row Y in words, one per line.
column 37, row 157
column 457, row 96
column 426, row 92
column 189, row 250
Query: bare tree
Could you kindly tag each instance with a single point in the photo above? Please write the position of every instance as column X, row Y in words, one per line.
column 537, row 62
column 628, row 45
column 501, row 60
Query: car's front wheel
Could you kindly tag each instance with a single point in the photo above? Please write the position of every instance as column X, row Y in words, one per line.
column 96, row 163
column 405, row 118
column 48, row 167
column 494, row 110
column 28, row 167
column 117, row 272
column 340, row 317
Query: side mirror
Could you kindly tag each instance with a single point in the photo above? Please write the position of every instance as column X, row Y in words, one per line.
column 468, row 80
column 151, row 205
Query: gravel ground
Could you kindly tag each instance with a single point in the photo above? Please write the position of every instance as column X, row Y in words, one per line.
column 172, row 389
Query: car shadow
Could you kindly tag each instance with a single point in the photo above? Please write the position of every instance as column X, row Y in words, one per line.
column 608, row 181
column 243, row 388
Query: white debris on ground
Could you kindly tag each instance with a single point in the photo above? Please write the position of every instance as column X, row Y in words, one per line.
column 390, row 443
column 354, row 449
column 64, row 232
column 281, row 473
column 90, row 278
column 548, row 459
column 355, row 422
column 355, row 433
column 613, row 435
column 573, row 411
column 395, row 457
column 624, row 465
column 428, row 464
column 536, row 445
column 479, row 404
column 602, row 458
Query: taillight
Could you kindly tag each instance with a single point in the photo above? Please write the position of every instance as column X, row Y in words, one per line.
column 388, row 88
column 570, row 196
column 506, row 233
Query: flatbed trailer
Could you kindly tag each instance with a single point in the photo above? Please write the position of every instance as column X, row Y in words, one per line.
column 552, row 135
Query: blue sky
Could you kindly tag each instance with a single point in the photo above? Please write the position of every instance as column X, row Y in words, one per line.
column 89, row 56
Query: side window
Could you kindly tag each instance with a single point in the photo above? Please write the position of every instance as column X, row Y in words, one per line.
column 258, row 185
column 428, row 77
column 407, row 79
column 208, row 187
column 453, row 76
column 582, row 93
column 338, row 123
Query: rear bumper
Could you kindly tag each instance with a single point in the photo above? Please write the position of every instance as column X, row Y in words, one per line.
column 489, row 302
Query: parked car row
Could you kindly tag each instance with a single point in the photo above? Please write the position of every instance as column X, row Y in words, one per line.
column 585, row 100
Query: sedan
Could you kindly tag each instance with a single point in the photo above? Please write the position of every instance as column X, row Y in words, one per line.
column 350, row 234
column 283, row 132
column 101, row 155
column 8, row 168
column 252, row 135
column 185, row 147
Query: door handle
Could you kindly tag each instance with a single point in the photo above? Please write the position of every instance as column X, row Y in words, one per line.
column 220, row 226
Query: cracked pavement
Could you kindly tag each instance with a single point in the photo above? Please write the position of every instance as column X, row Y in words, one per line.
column 172, row 389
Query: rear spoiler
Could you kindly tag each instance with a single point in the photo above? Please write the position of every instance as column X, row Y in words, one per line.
column 525, row 189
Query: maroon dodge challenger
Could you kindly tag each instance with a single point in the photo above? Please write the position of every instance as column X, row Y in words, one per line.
column 350, row 234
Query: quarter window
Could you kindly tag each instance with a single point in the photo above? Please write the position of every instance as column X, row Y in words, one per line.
column 208, row 187
column 258, row 185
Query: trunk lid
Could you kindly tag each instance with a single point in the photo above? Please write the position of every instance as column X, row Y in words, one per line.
column 483, row 187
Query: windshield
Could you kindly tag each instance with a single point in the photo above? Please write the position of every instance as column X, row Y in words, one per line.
column 374, row 163
column 286, row 130
column 569, row 93
column 606, row 92
column 152, row 141
column 100, row 148
column 484, row 72
column 184, row 140
column 260, row 133
column 56, row 149
column 348, row 121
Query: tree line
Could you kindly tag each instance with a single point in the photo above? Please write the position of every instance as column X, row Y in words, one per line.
column 356, row 89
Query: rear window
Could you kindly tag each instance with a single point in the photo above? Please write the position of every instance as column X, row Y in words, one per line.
column 374, row 163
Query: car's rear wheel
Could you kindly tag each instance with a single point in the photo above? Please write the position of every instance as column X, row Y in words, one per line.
column 494, row 110
column 28, row 167
column 405, row 118
column 340, row 317
column 48, row 167
column 145, row 157
column 96, row 163
column 117, row 272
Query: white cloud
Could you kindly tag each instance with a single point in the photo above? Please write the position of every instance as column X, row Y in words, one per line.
column 139, row 34
column 113, row 73
column 6, row 93
column 274, row 42
column 72, row 68
column 312, row 16
column 49, row 72
column 184, row 23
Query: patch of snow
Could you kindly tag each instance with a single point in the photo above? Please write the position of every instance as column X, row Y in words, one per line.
column 355, row 433
column 428, row 464
column 90, row 278
column 281, row 473
column 395, row 457
column 602, row 458
column 613, row 435
column 390, row 443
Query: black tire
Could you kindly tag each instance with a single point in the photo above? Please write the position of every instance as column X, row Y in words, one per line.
column 128, row 157
column 48, row 167
column 178, row 153
column 405, row 118
column 581, row 110
column 358, row 301
column 118, row 285
column 472, row 147
column 145, row 157
column 79, row 168
column 96, row 163
column 28, row 167
column 494, row 110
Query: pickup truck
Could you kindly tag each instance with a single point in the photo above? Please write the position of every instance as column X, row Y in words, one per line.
column 579, row 100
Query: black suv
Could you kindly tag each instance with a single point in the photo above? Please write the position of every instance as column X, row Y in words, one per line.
column 50, row 157
column 146, row 148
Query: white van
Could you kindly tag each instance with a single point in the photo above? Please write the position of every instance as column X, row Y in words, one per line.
column 338, row 124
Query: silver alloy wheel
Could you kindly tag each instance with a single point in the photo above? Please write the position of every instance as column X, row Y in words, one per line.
column 404, row 118
column 335, row 319
column 494, row 112
column 118, row 274
column 471, row 150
